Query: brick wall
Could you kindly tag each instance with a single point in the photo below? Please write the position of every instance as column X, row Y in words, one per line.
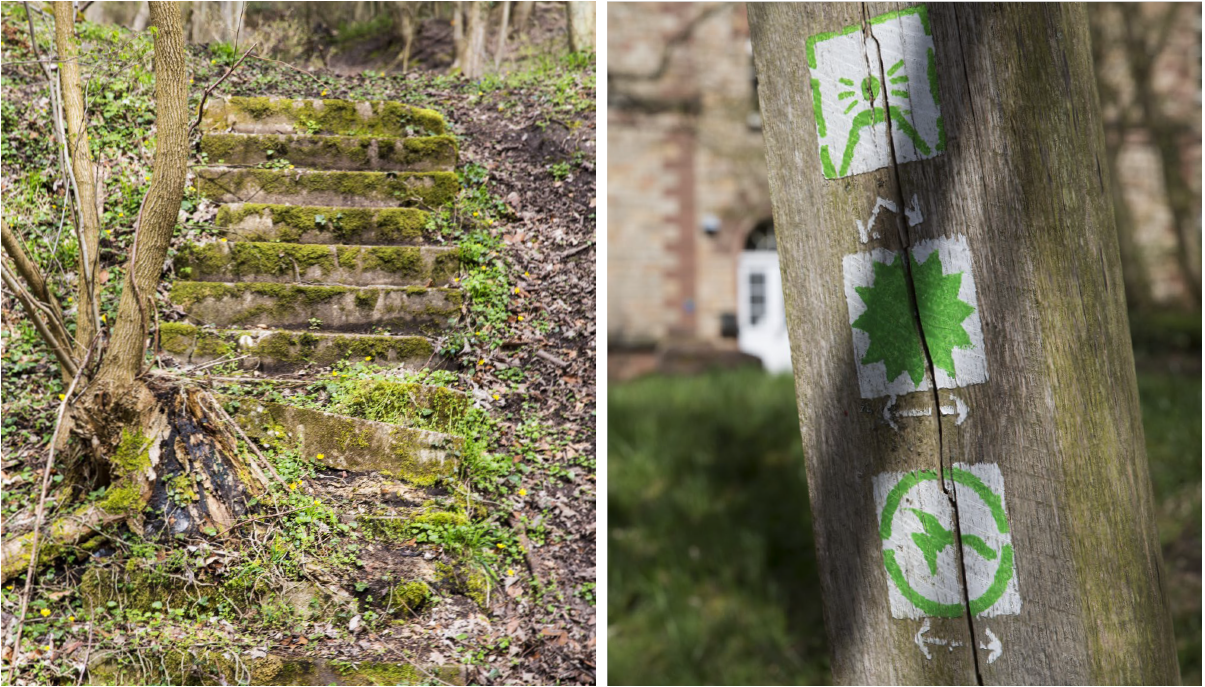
column 681, row 150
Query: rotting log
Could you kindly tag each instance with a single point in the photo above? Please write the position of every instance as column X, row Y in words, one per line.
column 956, row 308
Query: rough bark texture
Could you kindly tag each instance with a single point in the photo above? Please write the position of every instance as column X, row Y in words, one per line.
column 580, row 17
column 84, row 171
column 1023, row 180
column 157, row 219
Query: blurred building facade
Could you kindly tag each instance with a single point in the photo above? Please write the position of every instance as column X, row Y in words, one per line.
column 691, row 266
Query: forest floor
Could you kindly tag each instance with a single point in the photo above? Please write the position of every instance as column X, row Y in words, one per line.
column 527, row 356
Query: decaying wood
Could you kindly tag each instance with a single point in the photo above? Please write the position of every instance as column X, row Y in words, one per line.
column 1023, row 179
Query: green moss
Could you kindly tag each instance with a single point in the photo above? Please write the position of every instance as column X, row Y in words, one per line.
column 177, row 337
column 339, row 117
column 367, row 299
column 411, row 597
column 120, row 498
column 429, row 148
column 446, row 266
column 181, row 490
column 404, row 403
column 476, row 588
column 212, row 346
column 407, row 261
column 349, row 256
column 132, row 455
column 255, row 258
column 429, row 188
column 348, row 225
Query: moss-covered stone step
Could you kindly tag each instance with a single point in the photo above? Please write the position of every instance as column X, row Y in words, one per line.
column 336, row 117
column 404, row 403
column 416, row 456
column 412, row 154
column 323, row 224
column 275, row 351
column 405, row 310
column 204, row 667
column 307, row 187
column 294, row 262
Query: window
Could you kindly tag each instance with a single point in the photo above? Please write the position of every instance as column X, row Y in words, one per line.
column 757, row 297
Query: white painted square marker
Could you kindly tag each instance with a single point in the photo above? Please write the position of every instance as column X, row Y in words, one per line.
column 854, row 95
column 916, row 525
column 887, row 347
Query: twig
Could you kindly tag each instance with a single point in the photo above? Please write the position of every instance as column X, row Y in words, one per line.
column 37, row 524
column 87, row 650
column 205, row 95
column 550, row 358
column 286, row 64
column 226, row 416
column 260, row 517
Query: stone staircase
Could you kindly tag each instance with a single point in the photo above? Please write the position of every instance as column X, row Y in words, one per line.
column 322, row 259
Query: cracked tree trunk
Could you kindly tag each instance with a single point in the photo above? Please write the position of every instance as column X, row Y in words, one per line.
column 1033, row 558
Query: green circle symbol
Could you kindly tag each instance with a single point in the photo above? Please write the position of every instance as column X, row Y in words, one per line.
column 1004, row 572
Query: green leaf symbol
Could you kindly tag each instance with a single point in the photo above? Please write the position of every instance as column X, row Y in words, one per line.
column 889, row 322
column 941, row 312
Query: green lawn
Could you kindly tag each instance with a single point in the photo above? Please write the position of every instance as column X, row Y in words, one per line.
column 712, row 572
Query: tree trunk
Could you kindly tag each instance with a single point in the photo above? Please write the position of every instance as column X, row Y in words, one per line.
column 942, row 211
column 84, row 173
column 470, row 47
column 580, row 17
column 500, row 49
column 157, row 218
column 215, row 21
column 523, row 15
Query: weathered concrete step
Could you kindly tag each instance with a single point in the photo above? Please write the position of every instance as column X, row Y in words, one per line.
column 412, row 154
column 323, row 224
column 307, row 187
column 416, row 456
column 335, row 117
column 404, row 403
column 212, row 667
column 295, row 262
column 275, row 351
column 403, row 309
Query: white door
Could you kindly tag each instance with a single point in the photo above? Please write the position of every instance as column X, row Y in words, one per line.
column 761, row 314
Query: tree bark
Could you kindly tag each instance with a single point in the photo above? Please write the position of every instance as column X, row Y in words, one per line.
column 84, row 173
column 580, row 17
column 523, row 10
column 500, row 49
column 157, row 218
column 1021, row 474
column 471, row 48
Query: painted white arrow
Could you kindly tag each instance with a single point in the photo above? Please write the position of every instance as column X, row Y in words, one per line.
column 913, row 412
column 921, row 640
column 959, row 408
column 912, row 212
column 865, row 230
column 994, row 646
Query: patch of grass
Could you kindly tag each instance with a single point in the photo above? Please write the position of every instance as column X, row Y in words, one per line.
column 712, row 573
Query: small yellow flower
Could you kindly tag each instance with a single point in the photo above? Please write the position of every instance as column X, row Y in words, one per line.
column 526, row 274
column 324, row 91
column 190, row 81
column 522, row 492
column 456, row 279
column 71, row 619
column 496, row 397
column 516, row 289
column 321, row 456
column 45, row 612
column 334, row 374
column 290, row 166
column 148, row 178
column 292, row 486
column 102, row 319
column 481, row 362
column 9, row 587
column 474, row 213
column 222, row 240
column 121, row 214
column 501, row 545
column 368, row 358
column 62, row 397
column 510, row 571
column 45, row 647
column 70, row 299
column 213, row 62
column 520, row 318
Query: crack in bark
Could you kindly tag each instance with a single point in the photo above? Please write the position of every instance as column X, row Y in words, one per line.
column 902, row 226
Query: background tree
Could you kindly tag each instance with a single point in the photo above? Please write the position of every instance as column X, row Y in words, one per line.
column 1011, row 171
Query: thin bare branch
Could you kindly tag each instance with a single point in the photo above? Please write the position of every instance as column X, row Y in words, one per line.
column 205, row 95
column 58, row 346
